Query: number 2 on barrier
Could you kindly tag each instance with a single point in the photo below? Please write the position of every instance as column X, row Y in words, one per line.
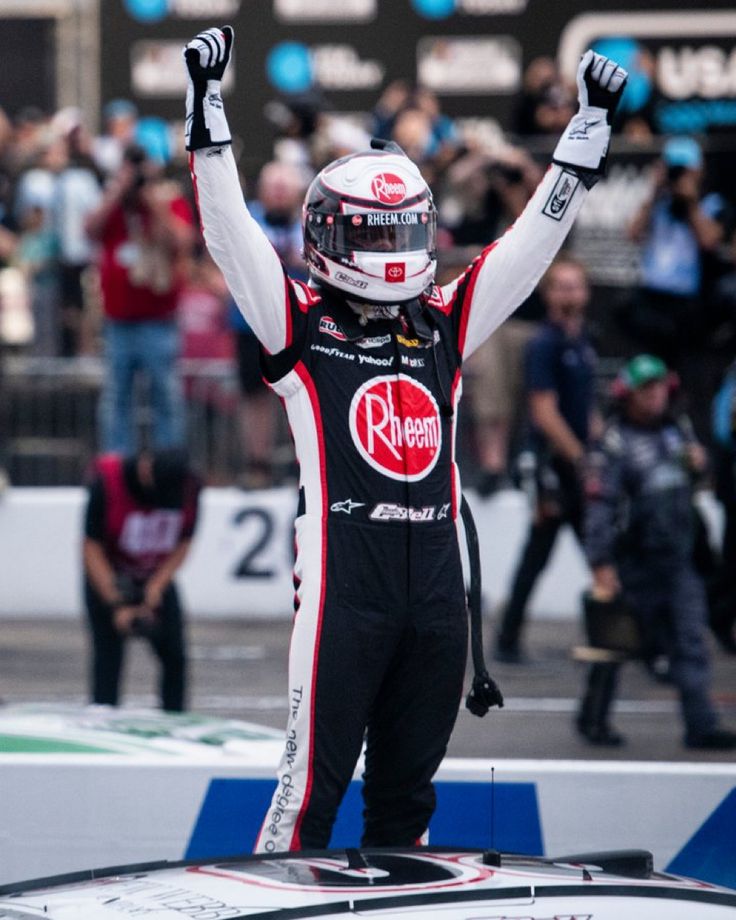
column 263, row 533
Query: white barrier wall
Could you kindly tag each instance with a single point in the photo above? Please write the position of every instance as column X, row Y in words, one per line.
column 88, row 787
column 61, row 813
column 241, row 558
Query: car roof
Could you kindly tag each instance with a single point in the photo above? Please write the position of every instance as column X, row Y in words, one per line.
column 380, row 881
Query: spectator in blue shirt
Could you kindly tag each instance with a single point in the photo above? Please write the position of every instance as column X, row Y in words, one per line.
column 680, row 229
column 559, row 377
column 676, row 227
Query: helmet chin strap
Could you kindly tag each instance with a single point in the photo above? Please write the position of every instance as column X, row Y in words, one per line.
column 368, row 311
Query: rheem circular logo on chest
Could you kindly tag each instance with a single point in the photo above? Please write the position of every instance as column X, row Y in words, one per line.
column 395, row 426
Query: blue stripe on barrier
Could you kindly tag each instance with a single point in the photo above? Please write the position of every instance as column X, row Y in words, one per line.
column 710, row 854
column 233, row 809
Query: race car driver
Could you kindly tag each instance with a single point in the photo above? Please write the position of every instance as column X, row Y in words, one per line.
column 367, row 360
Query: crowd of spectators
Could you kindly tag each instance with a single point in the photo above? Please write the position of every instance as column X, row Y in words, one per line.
column 86, row 220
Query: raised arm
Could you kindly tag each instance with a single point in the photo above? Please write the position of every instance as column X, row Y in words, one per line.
column 243, row 253
column 507, row 271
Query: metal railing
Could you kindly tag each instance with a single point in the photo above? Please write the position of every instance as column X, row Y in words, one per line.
column 51, row 404
column 51, row 407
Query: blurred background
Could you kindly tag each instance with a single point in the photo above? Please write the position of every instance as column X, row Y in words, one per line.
column 476, row 90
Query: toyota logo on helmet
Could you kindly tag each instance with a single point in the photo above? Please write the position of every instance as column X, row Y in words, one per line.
column 388, row 188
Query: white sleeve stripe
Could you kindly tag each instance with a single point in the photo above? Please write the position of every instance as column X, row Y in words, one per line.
column 513, row 267
column 252, row 270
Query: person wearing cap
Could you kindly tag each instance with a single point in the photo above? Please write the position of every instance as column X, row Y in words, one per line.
column 638, row 535
column 676, row 226
column 140, row 518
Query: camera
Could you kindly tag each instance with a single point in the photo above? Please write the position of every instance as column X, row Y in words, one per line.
column 508, row 173
column 679, row 205
column 137, row 158
column 132, row 594
column 674, row 173
column 130, row 590
column 145, row 627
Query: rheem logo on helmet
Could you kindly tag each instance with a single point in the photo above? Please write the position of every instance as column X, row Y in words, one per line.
column 388, row 188
column 395, row 425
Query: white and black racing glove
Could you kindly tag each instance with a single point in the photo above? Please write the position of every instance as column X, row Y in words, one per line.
column 583, row 147
column 206, row 57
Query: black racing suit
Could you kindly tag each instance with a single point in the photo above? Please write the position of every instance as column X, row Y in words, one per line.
column 379, row 641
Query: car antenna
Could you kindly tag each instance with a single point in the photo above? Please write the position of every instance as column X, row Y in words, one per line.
column 493, row 808
column 492, row 857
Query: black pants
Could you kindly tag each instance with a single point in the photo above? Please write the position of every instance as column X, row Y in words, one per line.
column 671, row 608
column 535, row 555
column 72, row 299
column 108, row 648
column 379, row 653
column 600, row 688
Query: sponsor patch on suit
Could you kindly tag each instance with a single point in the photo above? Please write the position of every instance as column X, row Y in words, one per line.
column 561, row 195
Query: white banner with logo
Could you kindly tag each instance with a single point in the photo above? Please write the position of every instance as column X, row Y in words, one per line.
column 241, row 559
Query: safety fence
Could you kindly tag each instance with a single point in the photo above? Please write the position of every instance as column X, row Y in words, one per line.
column 50, row 408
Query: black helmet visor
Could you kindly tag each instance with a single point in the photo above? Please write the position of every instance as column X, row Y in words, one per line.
column 375, row 231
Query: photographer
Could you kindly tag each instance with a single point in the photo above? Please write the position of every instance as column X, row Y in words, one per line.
column 487, row 193
column 676, row 227
column 146, row 232
column 139, row 523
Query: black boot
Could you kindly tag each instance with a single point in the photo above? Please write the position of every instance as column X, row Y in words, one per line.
column 592, row 719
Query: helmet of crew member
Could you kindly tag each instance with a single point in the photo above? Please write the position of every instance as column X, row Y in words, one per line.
column 370, row 226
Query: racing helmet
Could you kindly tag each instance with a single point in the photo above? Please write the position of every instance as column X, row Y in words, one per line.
column 370, row 226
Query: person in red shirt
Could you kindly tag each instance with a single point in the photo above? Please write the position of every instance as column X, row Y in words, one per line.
column 139, row 523
column 146, row 231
